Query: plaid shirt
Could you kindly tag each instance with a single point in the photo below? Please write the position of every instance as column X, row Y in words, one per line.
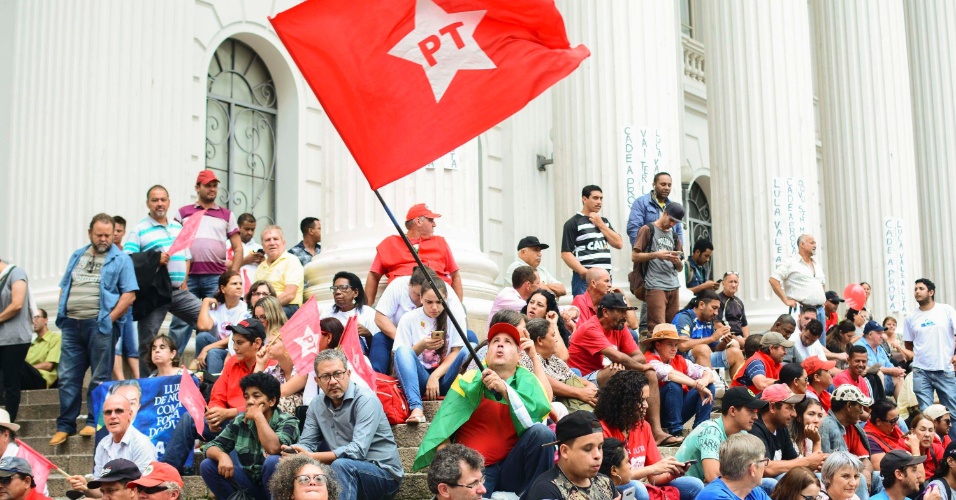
column 241, row 435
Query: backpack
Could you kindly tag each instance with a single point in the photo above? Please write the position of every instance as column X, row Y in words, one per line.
column 636, row 277
column 392, row 398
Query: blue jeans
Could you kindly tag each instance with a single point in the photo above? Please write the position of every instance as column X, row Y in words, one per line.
column 222, row 487
column 363, row 480
column 526, row 461
column 413, row 376
column 290, row 310
column 678, row 406
column 578, row 285
column 380, row 352
column 943, row 382
column 180, row 444
column 202, row 286
column 688, row 487
column 215, row 358
column 128, row 343
column 82, row 346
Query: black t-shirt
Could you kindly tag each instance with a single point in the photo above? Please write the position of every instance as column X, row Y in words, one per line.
column 586, row 242
column 779, row 446
column 555, row 485
column 731, row 313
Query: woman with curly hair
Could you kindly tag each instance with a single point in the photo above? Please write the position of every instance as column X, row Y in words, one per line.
column 798, row 483
column 302, row 477
column 541, row 304
column 621, row 408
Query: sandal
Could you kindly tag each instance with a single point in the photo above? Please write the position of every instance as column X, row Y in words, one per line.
column 415, row 419
column 670, row 440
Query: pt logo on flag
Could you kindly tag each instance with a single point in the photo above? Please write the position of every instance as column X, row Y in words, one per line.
column 308, row 342
column 443, row 44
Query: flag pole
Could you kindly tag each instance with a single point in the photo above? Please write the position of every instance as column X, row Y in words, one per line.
column 408, row 244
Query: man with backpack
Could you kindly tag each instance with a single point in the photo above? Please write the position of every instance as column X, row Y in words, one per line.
column 658, row 260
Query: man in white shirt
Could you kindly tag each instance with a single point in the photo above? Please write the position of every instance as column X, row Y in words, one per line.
column 525, row 281
column 799, row 280
column 529, row 254
column 252, row 253
column 930, row 332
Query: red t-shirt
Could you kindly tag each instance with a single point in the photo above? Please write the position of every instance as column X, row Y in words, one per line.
column 832, row 320
column 641, row 448
column 393, row 259
column 854, row 442
column 226, row 392
column 844, row 377
column 823, row 397
column 33, row 494
column 489, row 431
column 589, row 339
column 584, row 304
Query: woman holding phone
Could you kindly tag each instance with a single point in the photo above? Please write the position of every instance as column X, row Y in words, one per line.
column 427, row 355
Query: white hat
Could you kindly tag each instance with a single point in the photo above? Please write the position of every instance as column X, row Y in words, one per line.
column 935, row 411
column 5, row 421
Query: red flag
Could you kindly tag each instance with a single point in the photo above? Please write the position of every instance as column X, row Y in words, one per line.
column 352, row 348
column 40, row 465
column 187, row 234
column 406, row 81
column 301, row 336
column 191, row 398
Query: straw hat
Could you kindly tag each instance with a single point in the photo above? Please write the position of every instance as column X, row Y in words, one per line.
column 663, row 331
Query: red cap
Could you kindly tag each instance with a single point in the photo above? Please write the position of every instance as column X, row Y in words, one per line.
column 814, row 364
column 780, row 393
column 157, row 473
column 206, row 176
column 420, row 210
column 505, row 328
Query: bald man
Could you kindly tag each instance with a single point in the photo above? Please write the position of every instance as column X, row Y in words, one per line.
column 598, row 285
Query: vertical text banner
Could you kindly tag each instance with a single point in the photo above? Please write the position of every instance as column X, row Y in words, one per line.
column 642, row 156
column 788, row 201
column 897, row 290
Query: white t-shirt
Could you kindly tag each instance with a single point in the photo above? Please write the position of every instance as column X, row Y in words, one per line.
column 248, row 271
column 366, row 317
column 415, row 326
column 395, row 302
column 933, row 334
column 222, row 317
column 802, row 352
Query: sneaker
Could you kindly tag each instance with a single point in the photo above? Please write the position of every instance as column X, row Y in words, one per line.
column 59, row 438
column 88, row 431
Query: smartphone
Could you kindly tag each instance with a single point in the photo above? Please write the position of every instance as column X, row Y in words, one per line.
column 261, row 251
column 290, row 450
column 438, row 335
column 688, row 463
column 628, row 494
column 719, row 281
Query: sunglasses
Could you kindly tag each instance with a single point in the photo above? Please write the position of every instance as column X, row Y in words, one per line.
column 6, row 480
column 305, row 479
column 152, row 490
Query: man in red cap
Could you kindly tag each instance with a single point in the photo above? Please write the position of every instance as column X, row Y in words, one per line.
column 159, row 482
column 819, row 379
column 393, row 259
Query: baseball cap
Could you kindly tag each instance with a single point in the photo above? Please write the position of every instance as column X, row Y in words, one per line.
column 251, row 328
column 935, row 411
column 834, row 297
column 505, row 328
column 738, row 397
column 206, row 176
column 774, row 338
column 15, row 465
column 614, row 300
column 950, row 450
column 780, row 393
column 532, row 241
column 851, row 394
column 895, row 460
column 119, row 470
column 814, row 364
column 575, row 425
column 674, row 210
column 872, row 326
column 420, row 210
column 155, row 474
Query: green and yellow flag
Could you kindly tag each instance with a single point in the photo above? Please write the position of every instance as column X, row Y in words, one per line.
column 527, row 399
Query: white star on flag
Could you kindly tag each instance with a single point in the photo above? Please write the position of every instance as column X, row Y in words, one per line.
column 443, row 44
column 308, row 342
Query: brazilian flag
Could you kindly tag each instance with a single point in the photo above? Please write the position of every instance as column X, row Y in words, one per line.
column 527, row 399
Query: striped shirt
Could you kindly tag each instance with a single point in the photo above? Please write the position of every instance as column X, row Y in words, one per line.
column 586, row 242
column 212, row 238
column 150, row 235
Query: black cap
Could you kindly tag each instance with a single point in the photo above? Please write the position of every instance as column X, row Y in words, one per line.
column 738, row 397
column 251, row 328
column 119, row 470
column 614, row 300
column 674, row 210
column 896, row 460
column 834, row 297
column 531, row 241
column 575, row 425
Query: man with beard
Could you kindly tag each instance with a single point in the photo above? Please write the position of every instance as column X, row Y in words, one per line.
column 902, row 474
column 648, row 208
column 773, row 428
column 97, row 288
column 575, row 475
column 799, row 280
column 705, row 344
column 930, row 332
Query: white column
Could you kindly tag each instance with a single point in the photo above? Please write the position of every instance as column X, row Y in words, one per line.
column 762, row 147
column 930, row 29
column 630, row 84
column 869, row 165
column 354, row 222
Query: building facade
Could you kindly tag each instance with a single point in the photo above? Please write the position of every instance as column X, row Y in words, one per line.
column 776, row 118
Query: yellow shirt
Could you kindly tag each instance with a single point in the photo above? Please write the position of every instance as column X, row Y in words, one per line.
column 45, row 349
column 286, row 270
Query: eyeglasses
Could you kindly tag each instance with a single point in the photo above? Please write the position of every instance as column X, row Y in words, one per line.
column 340, row 288
column 812, row 497
column 765, row 462
column 471, row 485
column 261, row 318
column 894, row 420
column 802, row 379
column 152, row 490
column 325, row 377
column 260, row 294
column 118, row 411
column 305, row 479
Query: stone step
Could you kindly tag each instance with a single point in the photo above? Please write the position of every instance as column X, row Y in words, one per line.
column 414, row 487
column 41, row 397
column 42, row 411
column 46, row 427
column 409, row 435
column 73, row 446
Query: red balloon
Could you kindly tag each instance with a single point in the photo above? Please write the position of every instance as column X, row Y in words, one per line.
column 855, row 296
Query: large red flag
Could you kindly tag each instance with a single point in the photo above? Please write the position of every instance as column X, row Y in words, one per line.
column 191, row 398
column 406, row 81
column 41, row 465
column 301, row 335
column 186, row 236
column 352, row 348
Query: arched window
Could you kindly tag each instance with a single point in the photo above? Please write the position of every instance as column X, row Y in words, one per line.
column 240, row 130
column 699, row 225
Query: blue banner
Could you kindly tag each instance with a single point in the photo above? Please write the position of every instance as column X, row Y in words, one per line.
column 159, row 407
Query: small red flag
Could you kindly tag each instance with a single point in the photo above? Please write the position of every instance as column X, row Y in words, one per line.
column 41, row 465
column 191, row 398
column 406, row 81
column 301, row 335
column 351, row 346
column 186, row 236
